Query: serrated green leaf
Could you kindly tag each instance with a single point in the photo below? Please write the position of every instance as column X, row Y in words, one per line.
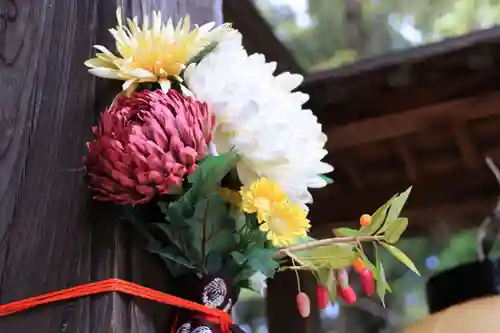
column 238, row 257
column 214, row 263
column 395, row 230
column 346, row 232
column 327, row 179
column 397, row 205
column 266, row 266
column 401, row 256
column 204, row 182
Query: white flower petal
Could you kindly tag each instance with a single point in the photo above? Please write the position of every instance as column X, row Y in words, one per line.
column 259, row 116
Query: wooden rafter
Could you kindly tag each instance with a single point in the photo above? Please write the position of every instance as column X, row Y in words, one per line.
column 413, row 121
column 406, row 155
column 258, row 34
column 468, row 151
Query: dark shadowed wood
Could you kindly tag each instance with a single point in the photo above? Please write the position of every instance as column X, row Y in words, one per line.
column 414, row 121
column 281, row 304
column 52, row 235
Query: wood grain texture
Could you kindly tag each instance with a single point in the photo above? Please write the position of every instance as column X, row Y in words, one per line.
column 52, row 235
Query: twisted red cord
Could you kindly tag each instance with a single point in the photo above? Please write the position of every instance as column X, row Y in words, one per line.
column 116, row 285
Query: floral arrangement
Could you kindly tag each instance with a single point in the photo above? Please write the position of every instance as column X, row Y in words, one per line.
column 211, row 157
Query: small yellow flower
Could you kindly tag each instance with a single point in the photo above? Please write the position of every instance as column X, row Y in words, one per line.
column 153, row 53
column 285, row 223
column 260, row 196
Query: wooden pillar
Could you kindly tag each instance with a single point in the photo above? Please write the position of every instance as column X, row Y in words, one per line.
column 281, row 304
column 52, row 235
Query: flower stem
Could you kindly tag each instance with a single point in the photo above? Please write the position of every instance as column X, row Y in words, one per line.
column 283, row 252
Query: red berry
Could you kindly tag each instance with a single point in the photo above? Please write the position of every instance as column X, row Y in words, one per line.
column 322, row 296
column 368, row 281
column 347, row 294
column 303, row 305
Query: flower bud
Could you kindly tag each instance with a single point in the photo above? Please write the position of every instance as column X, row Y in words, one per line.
column 347, row 294
column 343, row 278
column 303, row 304
column 359, row 265
column 368, row 281
column 322, row 296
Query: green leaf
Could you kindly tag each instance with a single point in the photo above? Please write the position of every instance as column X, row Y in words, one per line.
column 346, row 232
column 378, row 219
column 239, row 257
column 401, row 256
column 395, row 230
column 327, row 179
column 333, row 256
column 214, row 263
column 258, row 259
column 382, row 285
column 397, row 205
column 204, row 182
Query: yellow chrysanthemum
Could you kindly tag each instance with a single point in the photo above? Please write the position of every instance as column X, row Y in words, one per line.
column 285, row 223
column 260, row 196
column 155, row 52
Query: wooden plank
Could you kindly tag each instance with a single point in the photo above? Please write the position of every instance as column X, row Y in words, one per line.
column 52, row 235
column 413, row 121
column 453, row 193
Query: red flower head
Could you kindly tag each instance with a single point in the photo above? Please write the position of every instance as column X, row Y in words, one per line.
column 146, row 143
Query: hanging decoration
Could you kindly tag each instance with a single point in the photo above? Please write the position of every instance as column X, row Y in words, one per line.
column 211, row 157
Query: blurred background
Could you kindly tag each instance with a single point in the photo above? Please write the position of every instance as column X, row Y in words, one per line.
column 407, row 92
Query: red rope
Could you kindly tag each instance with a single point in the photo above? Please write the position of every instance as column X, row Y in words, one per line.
column 116, row 285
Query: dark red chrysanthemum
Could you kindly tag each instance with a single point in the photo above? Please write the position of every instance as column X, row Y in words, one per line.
column 145, row 144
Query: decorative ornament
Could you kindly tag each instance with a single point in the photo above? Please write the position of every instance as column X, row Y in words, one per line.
column 211, row 157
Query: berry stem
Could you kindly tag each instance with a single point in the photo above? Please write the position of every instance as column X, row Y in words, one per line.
column 284, row 252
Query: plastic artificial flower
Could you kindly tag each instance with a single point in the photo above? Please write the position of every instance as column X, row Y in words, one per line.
column 285, row 223
column 153, row 53
column 145, row 145
column 258, row 282
column 260, row 196
column 259, row 115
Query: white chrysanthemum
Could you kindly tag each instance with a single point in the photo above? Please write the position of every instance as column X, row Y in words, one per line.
column 258, row 114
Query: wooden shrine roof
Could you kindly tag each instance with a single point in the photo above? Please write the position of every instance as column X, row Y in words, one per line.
column 425, row 117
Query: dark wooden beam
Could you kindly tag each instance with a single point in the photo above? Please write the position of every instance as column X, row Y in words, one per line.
column 413, row 121
column 403, row 58
column 468, row 151
column 52, row 235
column 258, row 35
column 452, row 191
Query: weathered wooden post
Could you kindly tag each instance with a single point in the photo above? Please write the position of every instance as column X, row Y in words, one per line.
column 282, row 312
column 52, row 236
